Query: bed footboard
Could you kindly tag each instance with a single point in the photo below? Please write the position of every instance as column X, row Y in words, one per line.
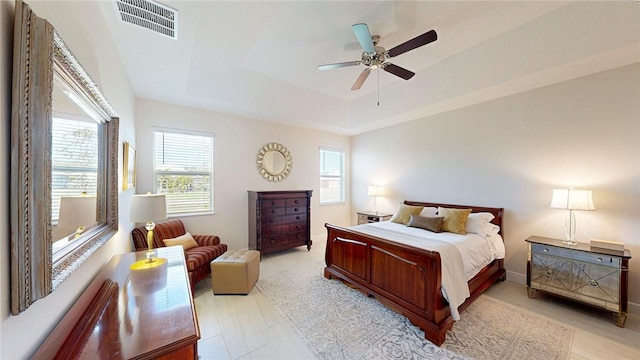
column 405, row 279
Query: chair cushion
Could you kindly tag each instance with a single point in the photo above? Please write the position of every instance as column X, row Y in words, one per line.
column 202, row 255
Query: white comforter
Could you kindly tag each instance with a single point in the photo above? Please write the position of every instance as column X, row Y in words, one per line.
column 462, row 256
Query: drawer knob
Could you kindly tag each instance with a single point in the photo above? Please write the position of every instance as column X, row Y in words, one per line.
column 549, row 272
column 273, row 211
column 273, row 203
column 545, row 250
column 297, row 217
column 296, row 201
column 599, row 259
column 593, row 283
column 296, row 209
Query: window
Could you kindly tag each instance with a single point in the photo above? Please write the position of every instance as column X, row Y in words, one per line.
column 183, row 170
column 331, row 176
column 74, row 161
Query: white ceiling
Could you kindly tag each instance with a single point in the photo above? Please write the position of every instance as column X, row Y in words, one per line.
column 259, row 59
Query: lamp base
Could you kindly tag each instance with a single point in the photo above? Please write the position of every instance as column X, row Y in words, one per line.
column 570, row 242
column 146, row 264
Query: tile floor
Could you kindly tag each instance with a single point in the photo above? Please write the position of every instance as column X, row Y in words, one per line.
column 249, row 327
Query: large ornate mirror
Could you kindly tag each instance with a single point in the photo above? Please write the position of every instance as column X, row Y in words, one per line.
column 274, row 162
column 64, row 161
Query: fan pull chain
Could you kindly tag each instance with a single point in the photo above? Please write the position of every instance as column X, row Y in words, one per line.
column 378, row 85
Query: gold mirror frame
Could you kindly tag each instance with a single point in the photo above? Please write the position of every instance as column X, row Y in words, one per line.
column 39, row 55
column 270, row 174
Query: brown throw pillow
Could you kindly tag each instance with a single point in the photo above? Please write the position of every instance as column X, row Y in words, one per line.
column 455, row 220
column 428, row 223
column 403, row 215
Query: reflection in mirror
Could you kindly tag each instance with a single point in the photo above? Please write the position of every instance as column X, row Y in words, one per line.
column 74, row 168
column 274, row 162
column 64, row 162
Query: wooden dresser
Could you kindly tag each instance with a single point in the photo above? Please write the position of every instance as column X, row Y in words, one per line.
column 279, row 220
column 130, row 314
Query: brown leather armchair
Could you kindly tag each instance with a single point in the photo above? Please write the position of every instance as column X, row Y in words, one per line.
column 197, row 258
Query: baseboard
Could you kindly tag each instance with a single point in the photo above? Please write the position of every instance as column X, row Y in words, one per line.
column 633, row 309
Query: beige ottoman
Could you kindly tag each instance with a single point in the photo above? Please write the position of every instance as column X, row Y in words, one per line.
column 235, row 271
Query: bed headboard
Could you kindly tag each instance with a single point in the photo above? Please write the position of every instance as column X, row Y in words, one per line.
column 497, row 212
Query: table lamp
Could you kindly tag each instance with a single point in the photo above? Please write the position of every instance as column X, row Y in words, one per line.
column 76, row 214
column 374, row 190
column 571, row 199
column 147, row 208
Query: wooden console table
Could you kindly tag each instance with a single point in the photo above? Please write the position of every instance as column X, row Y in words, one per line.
column 130, row 314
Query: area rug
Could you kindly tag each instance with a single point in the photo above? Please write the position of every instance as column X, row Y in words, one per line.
column 338, row 322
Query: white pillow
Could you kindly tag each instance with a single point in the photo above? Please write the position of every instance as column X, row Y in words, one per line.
column 479, row 223
column 187, row 241
column 429, row 211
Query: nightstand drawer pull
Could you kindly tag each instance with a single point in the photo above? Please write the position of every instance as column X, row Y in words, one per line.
column 549, row 272
column 599, row 259
column 593, row 283
column 545, row 250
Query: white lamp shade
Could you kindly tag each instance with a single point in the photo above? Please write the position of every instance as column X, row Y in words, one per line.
column 373, row 190
column 149, row 207
column 572, row 199
column 76, row 211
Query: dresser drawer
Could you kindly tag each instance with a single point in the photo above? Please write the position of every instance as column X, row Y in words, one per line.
column 593, row 258
column 268, row 204
column 285, row 239
column 273, row 211
column 285, row 219
column 296, row 210
column 301, row 202
column 269, row 230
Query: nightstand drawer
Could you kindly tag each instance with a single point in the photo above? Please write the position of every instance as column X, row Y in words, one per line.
column 598, row 259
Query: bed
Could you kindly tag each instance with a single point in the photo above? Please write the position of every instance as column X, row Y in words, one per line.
column 404, row 276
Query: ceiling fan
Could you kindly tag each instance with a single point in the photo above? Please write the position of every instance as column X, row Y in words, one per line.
column 374, row 56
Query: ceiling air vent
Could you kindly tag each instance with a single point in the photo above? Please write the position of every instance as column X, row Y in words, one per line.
column 151, row 15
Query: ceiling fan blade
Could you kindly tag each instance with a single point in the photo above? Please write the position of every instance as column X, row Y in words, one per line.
column 424, row 39
column 360, row 80
column 398, row 71
column 364, row 37
column 338, row 65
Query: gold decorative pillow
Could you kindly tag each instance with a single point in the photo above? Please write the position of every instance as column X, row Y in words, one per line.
column 455, row 220
column 403, row 215
column 427, row 222
column 187, row 241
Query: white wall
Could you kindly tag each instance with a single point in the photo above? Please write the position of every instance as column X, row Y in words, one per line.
column 94, row 48
column 236, row 144
column 512, row 152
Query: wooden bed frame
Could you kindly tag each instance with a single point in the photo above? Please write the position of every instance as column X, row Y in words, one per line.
column 404, row 278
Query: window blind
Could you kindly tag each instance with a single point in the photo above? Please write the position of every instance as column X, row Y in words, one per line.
column 183, row 171
column 331, row 176
column 74, row 160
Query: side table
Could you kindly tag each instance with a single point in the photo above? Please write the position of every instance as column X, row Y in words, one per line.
column 594, row 276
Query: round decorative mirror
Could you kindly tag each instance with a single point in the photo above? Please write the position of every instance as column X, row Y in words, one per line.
column 274, row 162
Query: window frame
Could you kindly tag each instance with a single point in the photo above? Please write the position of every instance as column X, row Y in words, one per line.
column 211, row 173
column 342, row 175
